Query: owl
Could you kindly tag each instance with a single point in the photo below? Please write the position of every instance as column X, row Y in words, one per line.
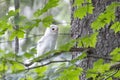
column 48, row 41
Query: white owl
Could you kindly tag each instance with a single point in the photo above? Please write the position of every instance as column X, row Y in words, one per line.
column 48, row 41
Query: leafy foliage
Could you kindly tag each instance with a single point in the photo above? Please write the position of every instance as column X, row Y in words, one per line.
column 83, row 10
column 115, row 54
column 71, row 73
column 116, row 27
column 4, row 27
column 106, row 17
column 117, row 75
column 11, row 63
column 40, row 71
column 47, row 21
column 88, row 41
column 99, row 68
column 67, row 46
column 50, row 4
column 17, row 33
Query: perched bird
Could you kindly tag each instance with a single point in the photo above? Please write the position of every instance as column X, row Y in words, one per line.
column 48, row 41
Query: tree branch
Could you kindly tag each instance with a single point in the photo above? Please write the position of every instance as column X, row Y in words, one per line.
column 114, row 66
column 29, row 68
column 58, row 53
column 111, row 75
column 97, row 56
column 71, row 50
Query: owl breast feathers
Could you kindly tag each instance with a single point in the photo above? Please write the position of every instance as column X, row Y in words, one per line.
column 48, row 41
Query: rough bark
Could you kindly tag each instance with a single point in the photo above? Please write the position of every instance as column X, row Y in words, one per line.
column 107, row 39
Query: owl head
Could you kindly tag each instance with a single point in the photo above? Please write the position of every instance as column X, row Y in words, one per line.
column 52, row 30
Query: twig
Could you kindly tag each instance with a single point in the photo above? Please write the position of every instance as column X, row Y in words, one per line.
column 111, row 74
column 45, row 64
column 97, row 56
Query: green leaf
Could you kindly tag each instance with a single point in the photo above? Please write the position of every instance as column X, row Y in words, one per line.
column 115, row 51
column 2, row 53
column 116, row 27
column 10, row 55
column 27, row 78
column 110, row 78
column 106, row 17
column 3, row 67
column 72, row 73
column 40, row 71
column 12, row 13
column 17, row 67
column 18, row 33
column 67, row 46
column 50, row 4
column 117, row 75
column 115, row 54
column 21, row 21
column 82, row 11
column 30, row 53
column 31, row 24
column 89, row 1
column 88, row 41
column 47, row 21
column 98, row 62
column 78, row 2
column 98, row 67
column 102, row 20
column 4, row 26
column 37, row 21
column 32, row 50
column 89, row 74
column 93, row 39
column 90, row 8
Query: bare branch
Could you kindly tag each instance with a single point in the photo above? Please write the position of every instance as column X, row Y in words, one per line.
column 29, row 68
column 97, row 56
column 48, row 64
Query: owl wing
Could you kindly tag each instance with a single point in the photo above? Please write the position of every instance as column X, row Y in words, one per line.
column 40, row 46
column 41, row 40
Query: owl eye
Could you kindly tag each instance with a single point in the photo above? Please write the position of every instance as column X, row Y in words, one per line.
column 53, row 29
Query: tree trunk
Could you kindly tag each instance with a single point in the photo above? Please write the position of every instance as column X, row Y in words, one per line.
column 17, row 6
column 107, row 39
